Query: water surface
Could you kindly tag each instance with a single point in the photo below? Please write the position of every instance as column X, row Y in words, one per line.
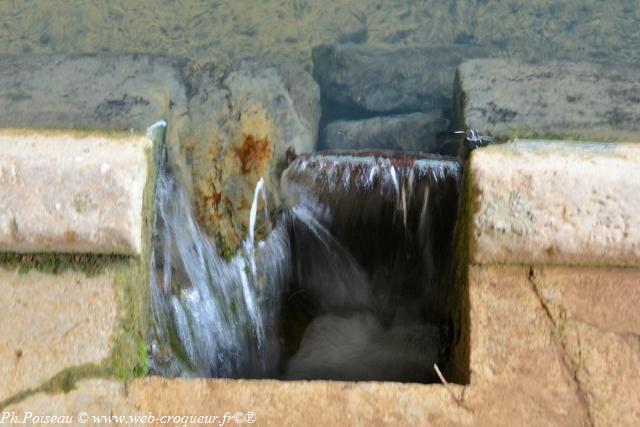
column 590, row 30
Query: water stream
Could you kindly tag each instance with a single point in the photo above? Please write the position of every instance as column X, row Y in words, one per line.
column 213, row 317
column 351, row 284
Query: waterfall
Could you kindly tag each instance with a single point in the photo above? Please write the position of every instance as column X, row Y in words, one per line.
column 350, row 284
column 213, row 317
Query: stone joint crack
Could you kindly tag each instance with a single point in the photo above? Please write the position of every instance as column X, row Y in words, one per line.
column 570, row 365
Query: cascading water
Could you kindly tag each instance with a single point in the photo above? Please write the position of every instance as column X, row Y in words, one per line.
column 351, row 284
column 212, row 316
column 371, row 245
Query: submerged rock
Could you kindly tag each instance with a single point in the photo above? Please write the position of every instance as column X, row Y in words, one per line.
column 87, row 91
column 384, row 78
column 557, row 100
column 407, row 132
column 360, row 348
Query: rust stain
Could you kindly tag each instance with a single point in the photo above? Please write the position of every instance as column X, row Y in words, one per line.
column 253, row 153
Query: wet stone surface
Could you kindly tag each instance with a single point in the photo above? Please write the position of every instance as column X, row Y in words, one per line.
column 406, row 132
column 107, row 92
column 561, row 100
column 389, row 79
column 383, row 83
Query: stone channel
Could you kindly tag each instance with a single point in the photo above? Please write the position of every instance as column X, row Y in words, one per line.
column 544, row 281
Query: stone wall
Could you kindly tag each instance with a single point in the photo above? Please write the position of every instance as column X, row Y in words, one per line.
column 76, row 224
column 548, row 274
column 553, row 283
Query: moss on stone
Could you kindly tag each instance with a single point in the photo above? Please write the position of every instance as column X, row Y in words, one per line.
column 129, row 358
column 132, row 326
column 63, row 382
column 56, row 263
column 460, row 369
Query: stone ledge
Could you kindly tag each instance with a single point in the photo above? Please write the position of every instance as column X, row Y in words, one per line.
column 558, row 202
column 528, row 368
column 274, row 403
column 50, row 323
column 532, row 343
column 507, row 98
column 72, row 192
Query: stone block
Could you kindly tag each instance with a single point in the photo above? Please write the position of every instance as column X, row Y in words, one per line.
column 313, row 403
column 405, row 132
column 97, row 398
column 595, row 318
column 50, row 323
column 605, row 298
column 242, row 122
column 518, row 371
column 607, row 367
column 87, row 91
column 72, row 192
column 536, row 349
column 508, row 98
column 273, row 403
column 386, row 78
column 555, row 202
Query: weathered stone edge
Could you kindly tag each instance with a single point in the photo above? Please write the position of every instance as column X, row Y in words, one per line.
column 128, row 358
column 461, row 99
column 472, row 206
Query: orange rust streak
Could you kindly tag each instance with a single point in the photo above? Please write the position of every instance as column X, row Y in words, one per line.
column 252, row 153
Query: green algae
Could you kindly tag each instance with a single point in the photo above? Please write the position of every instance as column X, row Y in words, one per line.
column 129, row 358
column 63, row 382
column 468, row 206
column 56, row 263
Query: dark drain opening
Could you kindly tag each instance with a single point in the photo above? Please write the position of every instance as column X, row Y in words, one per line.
column 371, row 296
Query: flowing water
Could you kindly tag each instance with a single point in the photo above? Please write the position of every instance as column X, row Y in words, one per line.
column 353, row 280
column 213, row 316
column 350, row 284
column 372, row 236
